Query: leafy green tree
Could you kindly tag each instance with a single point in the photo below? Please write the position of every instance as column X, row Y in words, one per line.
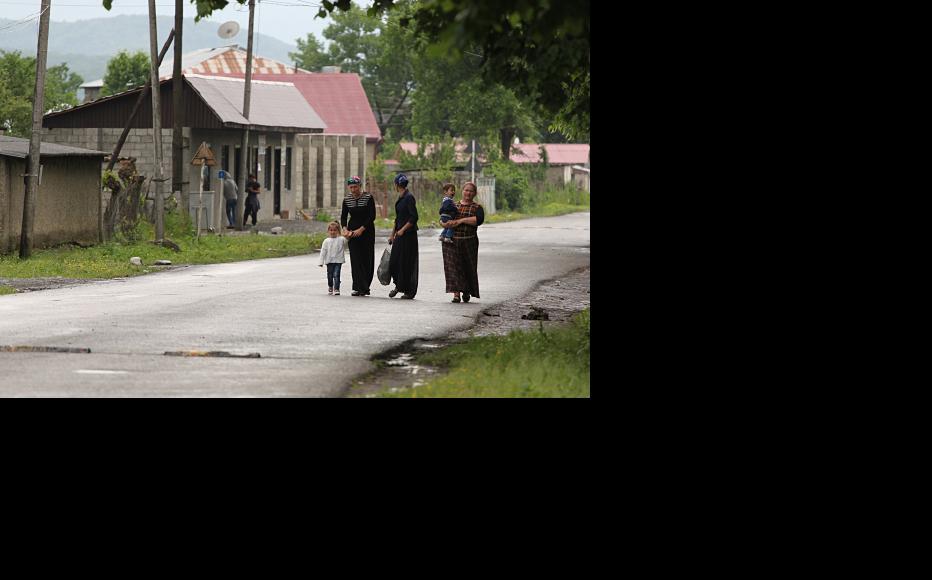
column 125, row 71
column 376, row 48
column 310, row 55
column 454, row 98
column 538, row 48
column 18, row 83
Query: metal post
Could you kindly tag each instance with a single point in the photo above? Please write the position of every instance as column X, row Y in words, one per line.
column 35, row 140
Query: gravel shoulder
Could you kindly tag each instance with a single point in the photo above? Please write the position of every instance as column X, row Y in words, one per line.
column 397, row 368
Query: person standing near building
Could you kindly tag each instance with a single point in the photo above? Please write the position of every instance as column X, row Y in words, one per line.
column 252, row 200
column 229, row 194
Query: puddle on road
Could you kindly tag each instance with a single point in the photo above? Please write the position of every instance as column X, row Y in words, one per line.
column 397, row 370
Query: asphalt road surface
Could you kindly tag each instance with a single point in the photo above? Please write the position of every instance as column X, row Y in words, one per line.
column 311, row 344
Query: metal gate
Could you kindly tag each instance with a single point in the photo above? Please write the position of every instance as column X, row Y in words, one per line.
column 486, row 193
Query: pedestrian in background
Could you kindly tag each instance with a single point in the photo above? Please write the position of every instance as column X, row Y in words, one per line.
column 230, row 192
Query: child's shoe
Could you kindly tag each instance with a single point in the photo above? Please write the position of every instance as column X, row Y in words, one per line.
column 330, row 291
column 336, row 292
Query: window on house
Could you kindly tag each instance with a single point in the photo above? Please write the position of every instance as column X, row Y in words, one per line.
column 268, row 168
column 288, row 168
column 225, row 158
column 237, row 158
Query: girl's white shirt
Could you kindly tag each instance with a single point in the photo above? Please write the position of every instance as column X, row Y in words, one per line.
column 333, row 250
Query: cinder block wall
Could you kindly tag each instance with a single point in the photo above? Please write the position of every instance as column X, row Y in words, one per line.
column 138, row 144
column 68, row 204
column 323, row 164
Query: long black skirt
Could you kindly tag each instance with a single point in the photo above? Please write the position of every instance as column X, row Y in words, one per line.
column 362, row 260
column 461, row 265
column 404, row 263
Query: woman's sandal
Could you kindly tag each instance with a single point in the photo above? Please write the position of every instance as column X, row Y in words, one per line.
column 456, row 299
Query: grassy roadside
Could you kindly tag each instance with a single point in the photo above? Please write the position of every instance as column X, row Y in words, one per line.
column 542, row 363
column 547, row 210
column 111, row 260
column 4, row 290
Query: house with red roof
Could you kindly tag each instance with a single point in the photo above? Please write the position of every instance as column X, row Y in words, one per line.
column 568, row 162
column 340, row 100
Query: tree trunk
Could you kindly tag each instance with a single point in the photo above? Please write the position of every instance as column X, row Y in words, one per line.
column 508, row 137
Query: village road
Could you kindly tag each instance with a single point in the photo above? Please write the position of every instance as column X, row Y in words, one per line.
column 311, row 344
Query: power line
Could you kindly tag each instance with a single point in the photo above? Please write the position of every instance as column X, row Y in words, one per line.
column 25, row 20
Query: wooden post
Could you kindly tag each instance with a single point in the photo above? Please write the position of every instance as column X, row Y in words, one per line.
column 139, row 101
column 35, row 140
column 178, row 111
column 244, row 155
column 156, row 125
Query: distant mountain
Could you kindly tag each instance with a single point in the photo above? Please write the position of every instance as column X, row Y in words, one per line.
column 86, row 45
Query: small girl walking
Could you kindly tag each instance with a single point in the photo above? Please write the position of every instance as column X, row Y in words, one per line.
column 332, row 254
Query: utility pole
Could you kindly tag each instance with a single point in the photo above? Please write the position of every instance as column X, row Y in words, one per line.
column 178, row 112
column 143, row 95
column 244, row 151
column 156, row 124
column 35, row 140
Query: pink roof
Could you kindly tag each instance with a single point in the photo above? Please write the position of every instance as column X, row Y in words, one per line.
column 339, row 99
column 557, row 153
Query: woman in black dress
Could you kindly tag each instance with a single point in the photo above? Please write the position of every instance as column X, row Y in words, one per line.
column 461, row 258
column 360, row 231
column 404, row 261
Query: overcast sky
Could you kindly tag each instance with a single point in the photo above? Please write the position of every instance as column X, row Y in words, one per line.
column 286, row 20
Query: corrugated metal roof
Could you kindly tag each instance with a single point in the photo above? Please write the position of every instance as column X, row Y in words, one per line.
column 272, row 104
column 557, row 153
column 17, row 147
column 339, row 99
column 220, row 60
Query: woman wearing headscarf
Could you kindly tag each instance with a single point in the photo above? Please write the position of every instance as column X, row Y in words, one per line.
column 404, row 260
column 461, row 258
column 359, row 229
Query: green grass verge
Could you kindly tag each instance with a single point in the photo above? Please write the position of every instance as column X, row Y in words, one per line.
column 384, row 223
column 547, row 210
column 111, row 260
column 4, row 290
column 549, row 363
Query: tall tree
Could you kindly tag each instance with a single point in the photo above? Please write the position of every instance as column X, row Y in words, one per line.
column 378, row 49
column 310, row 55
column 538, row 48
column 454, row 98
column 17, row 84
column 125, row 71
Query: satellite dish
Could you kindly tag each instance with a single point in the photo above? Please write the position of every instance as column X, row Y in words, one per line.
column 228, row 29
